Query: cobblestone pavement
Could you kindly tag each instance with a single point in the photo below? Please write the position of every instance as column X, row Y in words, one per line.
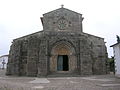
column 97, row 82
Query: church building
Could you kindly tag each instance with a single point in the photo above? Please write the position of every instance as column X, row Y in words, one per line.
column 60, row 48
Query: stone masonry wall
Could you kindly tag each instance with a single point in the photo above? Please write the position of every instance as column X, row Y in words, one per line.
column 43, row 59
column 33, row 56
column 14, row 59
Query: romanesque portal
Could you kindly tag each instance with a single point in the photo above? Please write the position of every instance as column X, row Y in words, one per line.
column 63, row 57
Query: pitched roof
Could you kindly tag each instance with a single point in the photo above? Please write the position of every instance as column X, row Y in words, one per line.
column 60, row 9
column 114, row 44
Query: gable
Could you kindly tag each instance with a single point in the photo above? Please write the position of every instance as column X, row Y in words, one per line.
column 62, row 19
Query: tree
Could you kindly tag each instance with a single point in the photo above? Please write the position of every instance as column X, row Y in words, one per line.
column 111, row 64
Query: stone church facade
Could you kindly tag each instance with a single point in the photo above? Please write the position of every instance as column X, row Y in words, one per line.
column 61, row 47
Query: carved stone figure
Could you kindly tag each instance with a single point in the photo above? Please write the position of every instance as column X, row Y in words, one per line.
column 118, row 38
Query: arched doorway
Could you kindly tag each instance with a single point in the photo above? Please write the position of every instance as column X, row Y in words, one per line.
column 63, row 57
column 62, row 63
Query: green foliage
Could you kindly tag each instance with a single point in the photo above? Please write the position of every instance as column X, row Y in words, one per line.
column 111, row 64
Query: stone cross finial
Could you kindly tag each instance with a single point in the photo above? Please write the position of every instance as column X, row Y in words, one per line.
column 3, row 64
column 62, row 6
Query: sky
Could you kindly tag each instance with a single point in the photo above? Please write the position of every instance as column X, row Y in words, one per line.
column 22, row 17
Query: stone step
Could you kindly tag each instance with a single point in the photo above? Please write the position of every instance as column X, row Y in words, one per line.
column 63, row 75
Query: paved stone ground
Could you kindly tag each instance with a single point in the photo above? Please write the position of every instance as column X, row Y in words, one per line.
column 98, row 82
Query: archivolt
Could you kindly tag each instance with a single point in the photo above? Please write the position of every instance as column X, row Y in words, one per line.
column 63, row 48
